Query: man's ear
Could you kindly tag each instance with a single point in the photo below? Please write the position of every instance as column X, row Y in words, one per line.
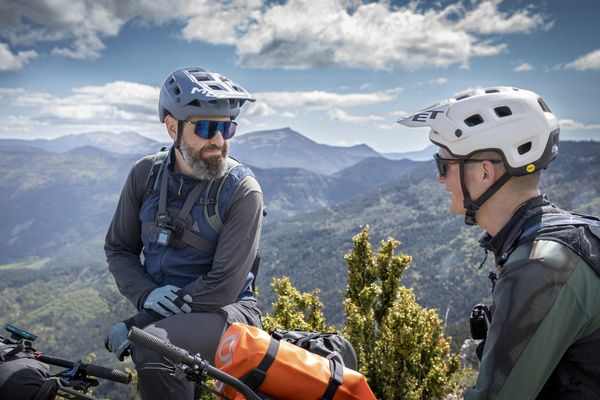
column 171, row 124
column 489, row 172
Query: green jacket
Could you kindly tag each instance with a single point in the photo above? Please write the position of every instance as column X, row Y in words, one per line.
column 544, row 337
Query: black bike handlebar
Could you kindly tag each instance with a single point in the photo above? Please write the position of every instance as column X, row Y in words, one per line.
column 182, row 356
column 90, row 369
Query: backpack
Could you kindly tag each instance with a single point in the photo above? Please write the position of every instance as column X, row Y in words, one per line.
column 21, row 375
column 326, row 345
column 278, row 368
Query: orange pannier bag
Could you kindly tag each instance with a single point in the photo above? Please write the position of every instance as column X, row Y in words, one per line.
column 284, row 371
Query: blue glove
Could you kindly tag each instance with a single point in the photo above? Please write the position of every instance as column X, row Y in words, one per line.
column 116, row 340
column 168, row 300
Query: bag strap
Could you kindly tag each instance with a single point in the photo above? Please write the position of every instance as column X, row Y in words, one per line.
column 336, row 379
column 157, row 163
column 211, row 209
column 10, row 350
column 256, row 377
column 48, row 390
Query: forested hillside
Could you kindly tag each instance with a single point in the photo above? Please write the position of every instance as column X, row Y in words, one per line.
column 412, row 209
column 54, row 279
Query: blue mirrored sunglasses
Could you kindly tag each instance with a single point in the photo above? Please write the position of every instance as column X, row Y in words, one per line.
column 208, row 129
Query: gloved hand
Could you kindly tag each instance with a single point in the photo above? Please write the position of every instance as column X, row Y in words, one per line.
column 116, row 340
column 168, row 300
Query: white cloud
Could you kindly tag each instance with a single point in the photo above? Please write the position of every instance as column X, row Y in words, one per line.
column 19, row 124
column 553, row 68
column 120, row 105
column 232, row 19
column 82, row 25
column 399, row 114
column 335, row 33
column 320, row 100
column 524, row 67
column 438, row 81
column 337, row 114
column 388, row 127
column 292, row 34
column 569, row 124
column 259, row 109
column 487, row 19
column 590, row 61
column 10, row 61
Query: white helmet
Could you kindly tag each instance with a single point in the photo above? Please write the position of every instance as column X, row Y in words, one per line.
column 515, row 122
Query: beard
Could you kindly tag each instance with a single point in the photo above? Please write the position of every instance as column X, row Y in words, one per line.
column 205, row 167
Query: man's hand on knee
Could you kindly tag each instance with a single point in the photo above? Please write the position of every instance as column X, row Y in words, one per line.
column 168, row 300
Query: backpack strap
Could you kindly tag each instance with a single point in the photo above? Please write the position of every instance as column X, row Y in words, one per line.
column 164, row 224
column 211, row 210
column 157, row 163
column 559, row 220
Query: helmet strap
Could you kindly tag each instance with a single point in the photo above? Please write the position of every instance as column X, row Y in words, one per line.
column 472, row 206
column 179, row 136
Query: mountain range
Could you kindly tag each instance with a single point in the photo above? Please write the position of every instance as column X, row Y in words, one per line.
column 278, row 148
column 57, row 203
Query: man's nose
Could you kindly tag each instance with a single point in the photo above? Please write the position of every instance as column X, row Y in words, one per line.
column 217, row 140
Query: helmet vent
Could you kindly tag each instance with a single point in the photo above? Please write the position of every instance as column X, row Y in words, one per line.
column 474, row 120
column 464, row 96
column 492, row 91
column 177, row 90
column 524, row 148
column 503, row 111
column 171, row 81
column 216, row 87
column 543, row 104
column 195, row 103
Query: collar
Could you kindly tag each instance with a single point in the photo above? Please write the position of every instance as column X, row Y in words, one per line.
column 502, row 244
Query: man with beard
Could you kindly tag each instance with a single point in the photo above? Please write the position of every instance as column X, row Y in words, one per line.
column 196, row 218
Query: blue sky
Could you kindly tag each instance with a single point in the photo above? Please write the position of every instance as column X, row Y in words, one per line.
column 340, row 72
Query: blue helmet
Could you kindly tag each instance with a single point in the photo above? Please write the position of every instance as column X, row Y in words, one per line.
column 196, row 91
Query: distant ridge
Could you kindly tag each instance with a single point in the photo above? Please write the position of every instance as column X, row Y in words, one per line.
column 287, row 148
column 276, row 148
column 120, row 143
column 419, row 155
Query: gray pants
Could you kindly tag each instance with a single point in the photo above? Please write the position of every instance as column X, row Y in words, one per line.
column 195, row 332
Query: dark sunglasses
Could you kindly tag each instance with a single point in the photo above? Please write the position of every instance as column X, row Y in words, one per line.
column 443, row 163
column 208, row 129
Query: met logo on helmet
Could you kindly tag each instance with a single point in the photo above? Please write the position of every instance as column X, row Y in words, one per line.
column 424, row 116
column 198, row 90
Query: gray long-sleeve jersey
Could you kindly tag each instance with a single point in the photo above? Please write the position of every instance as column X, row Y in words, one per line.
column 234, row 255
